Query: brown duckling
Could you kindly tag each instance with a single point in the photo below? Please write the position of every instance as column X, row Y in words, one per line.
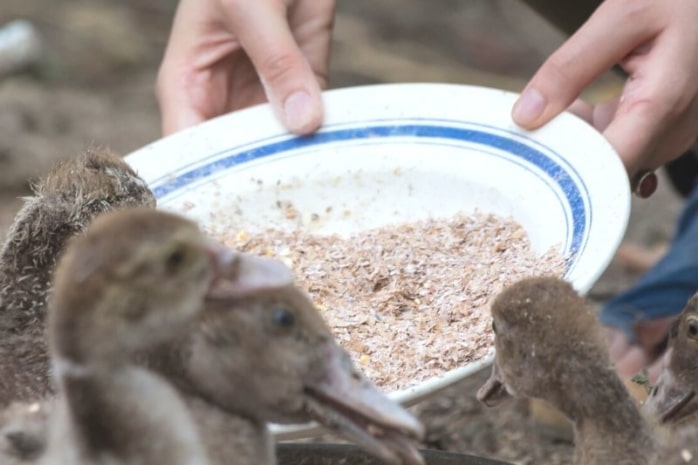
column 136, row 278
column 63, row 204
column 261, row 352
column 270, row 357
column 549, row 345
column 674, row 399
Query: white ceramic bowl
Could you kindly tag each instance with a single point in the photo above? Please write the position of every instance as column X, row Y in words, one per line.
column 391, row 153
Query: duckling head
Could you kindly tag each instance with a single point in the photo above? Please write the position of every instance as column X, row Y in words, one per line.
column 64, row 203
column 271, row 356
column 134, row 274
column 546, row 339
column 97, row 179
column 675, row 396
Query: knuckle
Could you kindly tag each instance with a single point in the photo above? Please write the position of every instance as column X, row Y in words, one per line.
column 672, row 103
column 557, row 68
column 277, row 67
column 637, row 11
column 555, row 77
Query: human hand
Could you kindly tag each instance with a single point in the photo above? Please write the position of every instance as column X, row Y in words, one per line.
column 224, row 55
column 656, row 117
column 631, row 357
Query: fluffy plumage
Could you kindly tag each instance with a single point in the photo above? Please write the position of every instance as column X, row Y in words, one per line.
column 63, row 204
column 549, row 346
column 134, row 280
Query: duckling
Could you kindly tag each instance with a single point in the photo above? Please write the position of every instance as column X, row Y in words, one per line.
column 673, row 399
column 549, row 345
column 260, row 352
column 63, row 204
column 270, row 357
column 135, row 279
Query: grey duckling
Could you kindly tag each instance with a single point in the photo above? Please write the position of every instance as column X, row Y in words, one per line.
column 63, row 204
column 674, row 399
column 270, row 357
column 549, row 345
column 261, row 352
column 134, row 279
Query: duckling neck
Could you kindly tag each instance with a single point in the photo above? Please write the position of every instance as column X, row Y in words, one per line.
column 118, row 410
column 78, row 347
column 608, row 425
column 170, row 361
column 230, row 438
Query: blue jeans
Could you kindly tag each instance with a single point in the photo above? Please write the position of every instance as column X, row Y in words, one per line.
column 664, row 290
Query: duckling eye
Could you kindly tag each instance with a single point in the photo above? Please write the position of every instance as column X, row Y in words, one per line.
column 693, row 328
column 283, row 317
column 175, row 259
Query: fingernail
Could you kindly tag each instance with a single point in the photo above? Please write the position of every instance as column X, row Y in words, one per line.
column 529, row 107
column 298, row 109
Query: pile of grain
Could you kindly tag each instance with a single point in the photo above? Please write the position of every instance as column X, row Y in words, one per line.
column 411, row 301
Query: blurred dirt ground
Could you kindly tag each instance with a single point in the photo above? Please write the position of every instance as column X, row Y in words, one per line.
column 95, row 81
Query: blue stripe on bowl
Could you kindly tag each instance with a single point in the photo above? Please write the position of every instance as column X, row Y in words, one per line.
column 527, row 153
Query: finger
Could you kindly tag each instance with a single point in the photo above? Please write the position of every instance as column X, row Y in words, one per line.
column 618, row 343
column 179, row 90
column 599, row 115
column 611, row 33
column 631, row 362
column 290, row 84
column 654, row 371
column 312, row 23
column 175, row 106
column 583, row 110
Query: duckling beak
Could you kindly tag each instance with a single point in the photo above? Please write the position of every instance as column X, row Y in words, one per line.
column 348, row 404
column 671, row 399
column 494, row 391
column 238, row 275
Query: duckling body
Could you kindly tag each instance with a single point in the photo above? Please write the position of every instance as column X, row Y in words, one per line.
column 63, row 204
column 549, row 346
column 231, row 438
column 135, row 279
